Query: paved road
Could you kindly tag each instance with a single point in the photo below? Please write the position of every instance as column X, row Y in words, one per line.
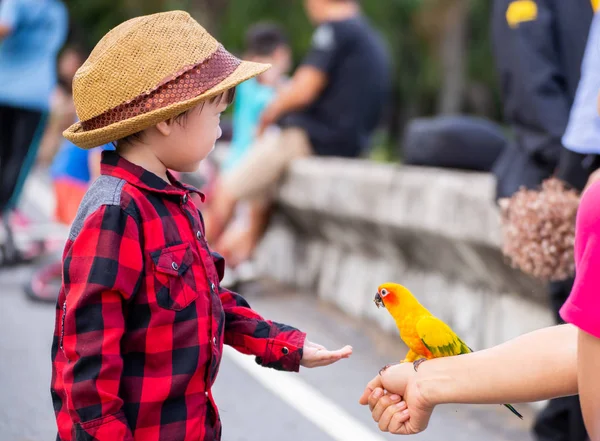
column 255, row 403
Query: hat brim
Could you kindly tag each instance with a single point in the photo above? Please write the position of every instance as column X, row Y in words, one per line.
column 87, row 139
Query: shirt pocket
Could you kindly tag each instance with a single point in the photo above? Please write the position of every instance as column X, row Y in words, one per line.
column 174, row 279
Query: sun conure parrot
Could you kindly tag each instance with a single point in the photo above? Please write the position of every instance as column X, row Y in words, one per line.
column 425, row 335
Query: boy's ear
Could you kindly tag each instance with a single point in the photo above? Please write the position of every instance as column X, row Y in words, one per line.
column 165, row 127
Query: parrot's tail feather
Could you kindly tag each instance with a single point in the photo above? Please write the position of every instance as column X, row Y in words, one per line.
column 513, row 410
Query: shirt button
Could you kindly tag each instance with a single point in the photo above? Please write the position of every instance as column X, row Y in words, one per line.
column 213, row 287
column 206, row 394
column 285, row 350
column 174, row 266
column 184, row 199
column 199, row 235
column 215, row 341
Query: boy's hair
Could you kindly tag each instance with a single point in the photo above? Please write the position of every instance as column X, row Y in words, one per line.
column 262, row 39
column 228, row 95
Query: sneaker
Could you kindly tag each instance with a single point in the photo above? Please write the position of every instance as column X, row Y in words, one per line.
column 230, row 278
column 246, row 272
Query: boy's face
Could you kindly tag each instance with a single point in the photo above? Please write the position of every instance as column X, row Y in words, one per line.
column 193, row 138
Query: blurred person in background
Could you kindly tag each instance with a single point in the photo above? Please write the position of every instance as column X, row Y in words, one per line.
column 62, row 110
column 32, row 33
column 265, row 43
column 582, row 135
column 72, row 170
column 331, row 107
column 539, row 47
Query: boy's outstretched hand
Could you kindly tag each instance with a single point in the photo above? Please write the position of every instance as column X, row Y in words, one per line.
column 315, row 355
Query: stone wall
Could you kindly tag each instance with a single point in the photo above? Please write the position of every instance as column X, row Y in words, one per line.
column 342, row 227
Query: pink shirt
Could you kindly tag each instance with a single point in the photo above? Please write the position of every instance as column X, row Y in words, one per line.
column 582, row 308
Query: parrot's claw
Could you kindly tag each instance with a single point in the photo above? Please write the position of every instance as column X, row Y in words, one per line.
column 418, row 362
column 383, row 369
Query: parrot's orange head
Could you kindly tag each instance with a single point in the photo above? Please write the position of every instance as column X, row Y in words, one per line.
column 391, row 294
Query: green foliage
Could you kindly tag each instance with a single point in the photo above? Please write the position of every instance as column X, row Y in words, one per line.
column 480, row 65
column 395, row 20
column 91, row 19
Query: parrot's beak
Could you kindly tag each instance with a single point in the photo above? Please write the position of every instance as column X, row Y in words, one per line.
column 378, row 301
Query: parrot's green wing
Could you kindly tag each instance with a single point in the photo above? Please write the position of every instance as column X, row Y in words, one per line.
column 439, row 338
column 442, row 341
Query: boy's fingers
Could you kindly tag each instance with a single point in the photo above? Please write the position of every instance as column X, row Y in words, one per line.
column 388, row 413
column 346, row 351
column 325, row 362
column 334, row 355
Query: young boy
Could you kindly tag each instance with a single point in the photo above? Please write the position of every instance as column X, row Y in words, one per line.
column 141, row 318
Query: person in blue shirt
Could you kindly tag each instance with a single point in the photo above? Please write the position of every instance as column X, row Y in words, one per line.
column 32, row 32
column 582, row 136
column 265, row 43
column 72, row 171
column 251, row 98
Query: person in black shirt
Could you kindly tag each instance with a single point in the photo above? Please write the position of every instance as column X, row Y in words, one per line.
column 349, row 56
column 331, row 107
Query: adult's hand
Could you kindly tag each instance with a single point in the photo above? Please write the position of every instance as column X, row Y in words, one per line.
column 267, row 118
column 396, row 402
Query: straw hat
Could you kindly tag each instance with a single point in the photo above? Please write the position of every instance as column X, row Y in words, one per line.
column 147, row 70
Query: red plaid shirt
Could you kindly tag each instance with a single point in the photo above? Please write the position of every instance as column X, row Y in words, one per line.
column 141, row 319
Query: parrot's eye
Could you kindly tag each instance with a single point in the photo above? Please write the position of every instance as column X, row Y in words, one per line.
column 384, row 292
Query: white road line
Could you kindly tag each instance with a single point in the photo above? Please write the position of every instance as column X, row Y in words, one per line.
column 317, row 408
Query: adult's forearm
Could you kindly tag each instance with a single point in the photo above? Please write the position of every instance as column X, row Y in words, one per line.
column 288, row 100
column 588, row 363
column 304, row 88
column 535, row 366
